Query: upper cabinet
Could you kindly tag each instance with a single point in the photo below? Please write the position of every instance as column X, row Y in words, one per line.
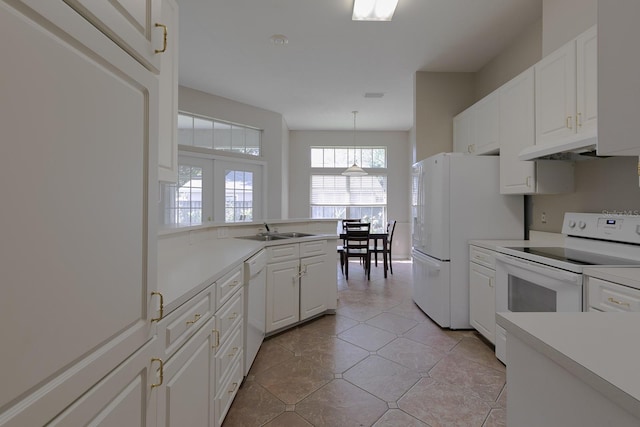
column 168, row 135
column 618, row 72
column 475, row 130
column 135, row 25
column 516, row 132
column 566, row 92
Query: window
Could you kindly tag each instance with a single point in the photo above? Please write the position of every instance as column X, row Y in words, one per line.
column 238, row 188
column 187, row 202
column 195, row 131
column 334, row 195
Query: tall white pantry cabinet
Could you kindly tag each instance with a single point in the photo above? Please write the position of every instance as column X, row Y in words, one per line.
column 79, row 108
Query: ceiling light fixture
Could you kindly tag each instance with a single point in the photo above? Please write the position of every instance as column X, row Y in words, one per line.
column 373, row 10
column 279, row 39
column 354, row 170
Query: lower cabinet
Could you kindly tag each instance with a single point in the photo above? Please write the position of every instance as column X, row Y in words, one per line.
column 314, row 275
column 283, row 294
column 482, row 297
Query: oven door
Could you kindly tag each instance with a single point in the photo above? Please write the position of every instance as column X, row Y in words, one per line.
column 527, row 286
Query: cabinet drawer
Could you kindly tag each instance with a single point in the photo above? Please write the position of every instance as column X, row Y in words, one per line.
column 230, row 315
column 230, row 350
column 279, row 253
column 315, row 247
column 228, row 391
column 182, row 323
column 608, row 296
column 228, row 285
column 482, row 256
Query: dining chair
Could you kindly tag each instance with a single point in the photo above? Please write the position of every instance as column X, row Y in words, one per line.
column 341, row 247
column 378, row 248
column 356, row 245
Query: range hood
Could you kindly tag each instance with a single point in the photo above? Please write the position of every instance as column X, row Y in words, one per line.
column 569, row 149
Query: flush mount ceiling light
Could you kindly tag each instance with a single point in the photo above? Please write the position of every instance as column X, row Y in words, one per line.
column 279, row 39
column 354, row 170
column 373, row 10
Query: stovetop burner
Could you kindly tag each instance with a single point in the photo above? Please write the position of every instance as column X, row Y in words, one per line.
column 574, row 256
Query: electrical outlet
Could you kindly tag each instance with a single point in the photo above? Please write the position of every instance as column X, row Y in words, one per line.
column 543, row 218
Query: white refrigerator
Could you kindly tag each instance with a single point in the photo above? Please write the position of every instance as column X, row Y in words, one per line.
column 456, row 198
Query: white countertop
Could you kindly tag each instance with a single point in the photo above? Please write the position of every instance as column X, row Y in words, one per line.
column 627, row 276
column 601, row 349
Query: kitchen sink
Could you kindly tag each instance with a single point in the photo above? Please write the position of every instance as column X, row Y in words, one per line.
column 263, row 237
column 293, row 234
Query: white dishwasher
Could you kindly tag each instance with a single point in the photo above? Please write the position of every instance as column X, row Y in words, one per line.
column 254, row 314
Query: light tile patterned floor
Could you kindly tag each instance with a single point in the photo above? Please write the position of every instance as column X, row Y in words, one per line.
column 378, row 362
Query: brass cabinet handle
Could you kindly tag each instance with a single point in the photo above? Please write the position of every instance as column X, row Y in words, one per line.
column 528, row 183
column 164, row 43
column 234, row 316
column 195, row 319
column 161, row 369
column 235, row 283
column 579, row 120
column 233, row 388
column 161, row 311
column 614, row 301
column 234, row 351
column 217, row 341
column 569, row 121
column 469, row 148
column 491, row 282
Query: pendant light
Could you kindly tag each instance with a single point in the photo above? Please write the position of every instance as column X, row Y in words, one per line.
column 354, row 170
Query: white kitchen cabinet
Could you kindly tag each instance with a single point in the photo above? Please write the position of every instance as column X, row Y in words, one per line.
column 187, row 395
column 79, row 271
column 475, row 130
column 462, row 140
column 168, row 97
column 135, row 25
column 566, row 92
column 516, row 132
column 300, row 285
column 314, row 275
column 482, row 296
column 283, row 294
column 131, row 391
column 604, row 295
column 618, row 70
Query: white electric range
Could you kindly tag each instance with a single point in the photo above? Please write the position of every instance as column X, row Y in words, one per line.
column 549, row 279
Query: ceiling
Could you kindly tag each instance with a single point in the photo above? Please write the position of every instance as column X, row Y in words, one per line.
column 322, row 74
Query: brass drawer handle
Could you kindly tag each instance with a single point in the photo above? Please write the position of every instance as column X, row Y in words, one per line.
column 615, row 301
column 233, row 388
column 161, row 369
column 217, row 341
column 569, row 122
column 164, row 42
column 195, row 319
column 234, row 351
column 161, row 311
column 234, row 316
column 234, row 284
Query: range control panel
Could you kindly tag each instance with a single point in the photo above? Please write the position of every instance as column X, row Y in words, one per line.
column 614, row 227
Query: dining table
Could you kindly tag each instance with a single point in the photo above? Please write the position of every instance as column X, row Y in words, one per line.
column 375, row 237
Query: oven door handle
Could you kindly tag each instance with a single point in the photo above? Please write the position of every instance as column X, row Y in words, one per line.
column 555, row 273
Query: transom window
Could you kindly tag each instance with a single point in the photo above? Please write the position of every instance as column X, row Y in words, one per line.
column 341, row 157
column 203, row 132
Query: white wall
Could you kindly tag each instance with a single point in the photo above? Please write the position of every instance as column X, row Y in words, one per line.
column 562, row 20
column 398, row 177
column 274, row 138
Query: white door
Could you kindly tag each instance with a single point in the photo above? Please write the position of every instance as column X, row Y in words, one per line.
column 283, row 294
column 435, row 185
column 485, row 125
column 587, row 81
column 78, row 265
column 431, row 288
column 516, row 133
column 556, row 95
column 239, row 185
column 315, row 277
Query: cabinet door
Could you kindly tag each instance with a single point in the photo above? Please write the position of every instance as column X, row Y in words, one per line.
column 587, row 81
column 186, row 397
column 283, row 294
column 168, row 135
column 79, row 266
column 516, row 133
column 315, row 278
column 485, row 125
column 126, row 397
column 462, row 132
column 482, row 312
column 556, row 95
column 130, row 23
